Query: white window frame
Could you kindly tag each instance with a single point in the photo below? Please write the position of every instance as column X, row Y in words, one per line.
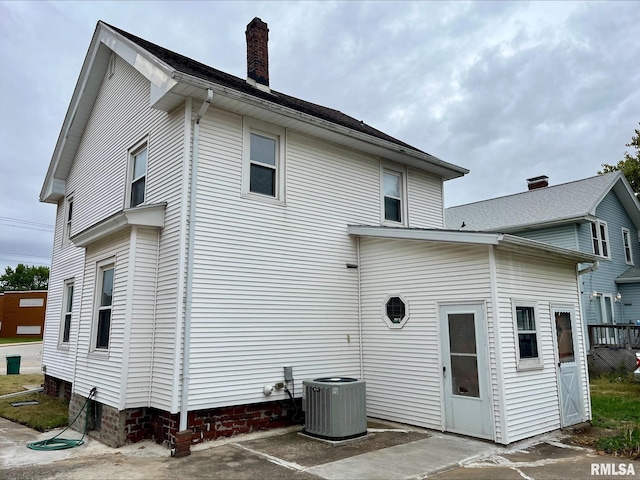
column 527, row 363
column 131, row 155
column 626, row 246
column 253, row 126
column 601, row 238
column 101, row 267
column 404, row 210
column 68, row 218
column 386, row 318
column 67, row 312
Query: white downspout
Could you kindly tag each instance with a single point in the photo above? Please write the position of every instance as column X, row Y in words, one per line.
column 360, row 340
column 184, row 399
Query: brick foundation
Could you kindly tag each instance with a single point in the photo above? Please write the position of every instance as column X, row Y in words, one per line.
column 54, row 387
column 117, row 428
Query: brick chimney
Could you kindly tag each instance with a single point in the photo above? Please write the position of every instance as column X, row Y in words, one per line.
column 538, row 182
column 257, row 52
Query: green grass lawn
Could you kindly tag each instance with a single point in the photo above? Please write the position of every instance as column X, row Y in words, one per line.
column 615, row 403
column 4, row 341
column 50, row 412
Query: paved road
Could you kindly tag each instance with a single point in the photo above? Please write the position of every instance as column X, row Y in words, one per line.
column 30, row 353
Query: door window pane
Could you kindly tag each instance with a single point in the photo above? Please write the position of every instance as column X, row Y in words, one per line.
column 464, row 376
column 462, row 333
column 564, row 337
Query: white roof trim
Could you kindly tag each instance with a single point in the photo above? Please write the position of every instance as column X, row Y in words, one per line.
column 500, row 240
column 451, row 236
column 400, row 153
column 143, row 216
column 104, row 41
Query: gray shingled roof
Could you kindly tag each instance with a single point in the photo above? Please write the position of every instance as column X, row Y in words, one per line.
column 191, row 67
column 632, row 275
column 543, row 206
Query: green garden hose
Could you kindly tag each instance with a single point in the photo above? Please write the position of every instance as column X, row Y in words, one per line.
column 55, row 443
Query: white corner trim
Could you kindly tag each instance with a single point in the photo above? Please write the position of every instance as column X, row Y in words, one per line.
column 144, row 216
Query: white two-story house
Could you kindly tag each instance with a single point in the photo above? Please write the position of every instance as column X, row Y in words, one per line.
column 212, row 231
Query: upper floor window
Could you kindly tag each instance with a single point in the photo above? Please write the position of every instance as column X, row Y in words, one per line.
column 138, row 174
column 67, row 309
column 68, row 216
column 264, row 169
column 626, row 243
column 600, row 238
column 263, row 161
column 393, row 196
column 527, row 345
column 104, row 304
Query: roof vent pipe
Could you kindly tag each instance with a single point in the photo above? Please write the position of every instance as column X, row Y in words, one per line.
column 257, row 52
column 538, row 182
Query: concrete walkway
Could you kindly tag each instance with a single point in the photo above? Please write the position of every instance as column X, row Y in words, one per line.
column 392, row 453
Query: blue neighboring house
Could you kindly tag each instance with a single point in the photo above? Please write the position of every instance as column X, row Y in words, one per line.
column 599, row 215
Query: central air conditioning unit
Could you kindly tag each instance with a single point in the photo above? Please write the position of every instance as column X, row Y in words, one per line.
column 335, row 408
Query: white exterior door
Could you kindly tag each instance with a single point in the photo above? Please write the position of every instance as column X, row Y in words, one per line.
column 571, row 411
column 465, row 371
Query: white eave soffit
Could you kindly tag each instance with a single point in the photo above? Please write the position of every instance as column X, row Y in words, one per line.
column 143, row 216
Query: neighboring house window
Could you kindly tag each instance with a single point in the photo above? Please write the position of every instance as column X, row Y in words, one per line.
column 626, row 243
column 67, row 309
column 68, row 216
column 527, row 344
column 600, row 238
column 393, row 195
column 104, row 303
column 263, row 161
column 138, row 175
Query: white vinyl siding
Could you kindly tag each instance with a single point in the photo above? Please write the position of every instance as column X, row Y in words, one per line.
column 402, row 367
column 120, row 118
column 271, row 287
column 140, row 340
column 531, row 397
column 67, row 262
column 424, row 198
column 103, row 369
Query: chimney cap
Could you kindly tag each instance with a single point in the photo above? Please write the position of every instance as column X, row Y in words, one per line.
column 538, row 182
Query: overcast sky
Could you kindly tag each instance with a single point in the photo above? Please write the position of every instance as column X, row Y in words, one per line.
column 507, row 90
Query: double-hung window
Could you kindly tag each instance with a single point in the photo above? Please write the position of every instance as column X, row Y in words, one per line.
column 263, row 161
column 393, row 196
column 626, row 244
column 104, row 305
column 68, row 216
column 526, row 326
column 67, row 311
column 138, row 175
column 600, row 238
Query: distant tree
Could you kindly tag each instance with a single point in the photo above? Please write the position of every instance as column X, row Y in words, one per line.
column 630, row 165
column 24, row 278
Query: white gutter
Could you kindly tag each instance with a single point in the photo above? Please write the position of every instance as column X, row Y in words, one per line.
column 291, row 113
column 192, row 230
column 594, row 266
